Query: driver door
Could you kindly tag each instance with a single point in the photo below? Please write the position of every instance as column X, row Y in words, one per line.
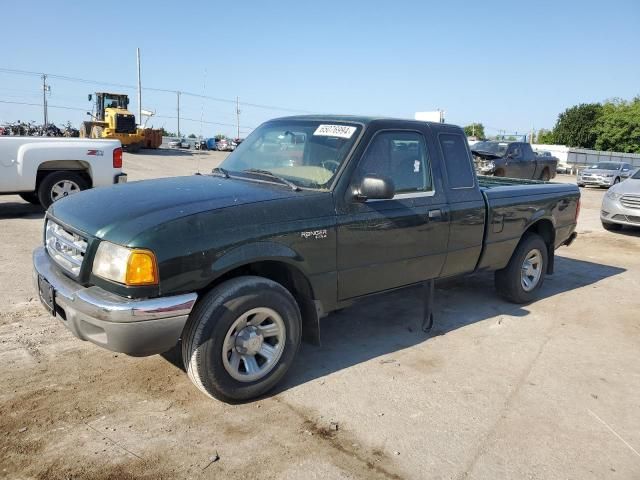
column 385, row 244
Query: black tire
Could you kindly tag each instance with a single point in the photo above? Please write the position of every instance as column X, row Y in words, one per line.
column 509, row 280
column 46, row 193
column 581, row 185
column 31, row 197
column 212, row 319
column 616, row 181
column 499, row 173
column 610, row 226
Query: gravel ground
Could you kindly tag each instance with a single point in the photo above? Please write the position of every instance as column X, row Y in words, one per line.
column 497, row 391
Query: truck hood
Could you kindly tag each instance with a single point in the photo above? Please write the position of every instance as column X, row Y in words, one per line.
column 485, row 155
column 120, row 212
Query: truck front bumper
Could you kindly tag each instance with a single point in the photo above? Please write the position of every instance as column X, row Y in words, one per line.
column 131, row 326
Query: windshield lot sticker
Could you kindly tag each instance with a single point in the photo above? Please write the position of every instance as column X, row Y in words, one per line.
column 416, row 166
column 341, row 131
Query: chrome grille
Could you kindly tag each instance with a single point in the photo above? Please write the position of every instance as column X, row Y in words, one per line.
column 630, row 201
column 66, row 248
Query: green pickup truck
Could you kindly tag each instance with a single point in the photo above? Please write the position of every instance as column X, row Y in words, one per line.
column 308, row 215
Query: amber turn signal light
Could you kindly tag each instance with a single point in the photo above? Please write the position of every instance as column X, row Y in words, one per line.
column 142, row 268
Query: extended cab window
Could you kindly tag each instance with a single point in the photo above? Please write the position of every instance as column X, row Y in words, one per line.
column 456, row 160
column 400, row 156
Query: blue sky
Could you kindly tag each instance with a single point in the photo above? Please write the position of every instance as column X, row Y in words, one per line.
column 508, row 65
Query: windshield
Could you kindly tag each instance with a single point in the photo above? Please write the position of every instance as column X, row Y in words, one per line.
column 605, row 166
column 307, row 153
column 497, row 148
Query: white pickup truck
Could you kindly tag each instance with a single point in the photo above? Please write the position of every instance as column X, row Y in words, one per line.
column 43, row 169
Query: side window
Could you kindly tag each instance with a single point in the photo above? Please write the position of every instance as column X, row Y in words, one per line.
column 456, row 160
column 517, row 153
column 400, row 156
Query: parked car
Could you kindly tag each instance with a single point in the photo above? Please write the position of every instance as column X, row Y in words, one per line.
column 621, row 204
column 201, row 145
column 512, row 159
column 370, row 206
column 604, row 174
column 179, row 143
column 43, row 170
column 222, row 145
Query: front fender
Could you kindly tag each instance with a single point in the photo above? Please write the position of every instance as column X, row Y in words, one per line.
column 257, row 252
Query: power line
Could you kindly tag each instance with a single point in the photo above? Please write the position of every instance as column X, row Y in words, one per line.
column 169, row 117
column 245, row 127
column 152, row 89
column 40, row 105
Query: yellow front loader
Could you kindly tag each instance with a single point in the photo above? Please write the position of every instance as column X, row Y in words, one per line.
column 113, row 120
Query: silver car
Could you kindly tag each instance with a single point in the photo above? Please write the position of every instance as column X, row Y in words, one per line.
column 621, row 204
column 604, row 174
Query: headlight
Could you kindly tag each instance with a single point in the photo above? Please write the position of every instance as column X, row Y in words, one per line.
column 608, row 175
column 613, row 195
column 488, row 166
column 129, row 266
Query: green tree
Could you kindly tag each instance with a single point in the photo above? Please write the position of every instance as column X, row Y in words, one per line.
column 575, row 126
column 618, row 128
column 192, row 135
column 220, row 136
column 545, row 137
column 475, row 130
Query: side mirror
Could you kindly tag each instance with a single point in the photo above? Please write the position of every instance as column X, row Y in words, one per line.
column 375, row 187
column 90, row 97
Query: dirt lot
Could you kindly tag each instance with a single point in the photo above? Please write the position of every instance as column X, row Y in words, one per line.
column 548, row 390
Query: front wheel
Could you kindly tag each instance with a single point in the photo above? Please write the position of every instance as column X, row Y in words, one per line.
column 241, row 338
column 523, row 276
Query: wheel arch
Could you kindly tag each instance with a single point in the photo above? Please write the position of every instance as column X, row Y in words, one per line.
column 277, row 263
column 544, row 227
column 78, row 166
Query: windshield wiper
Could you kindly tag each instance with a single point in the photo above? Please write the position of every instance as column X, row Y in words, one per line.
column 220, row 172
column 267, row 173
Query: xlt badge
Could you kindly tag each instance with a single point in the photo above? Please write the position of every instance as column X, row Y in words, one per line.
column 316, row 234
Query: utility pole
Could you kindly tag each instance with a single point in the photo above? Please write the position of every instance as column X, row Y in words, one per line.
column 45, row 88
column 139, row 90
column 238, row 115
column 178, row 94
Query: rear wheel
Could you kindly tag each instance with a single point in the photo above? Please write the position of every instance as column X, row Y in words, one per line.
column 499, row 173
column 523, row 276
column 241, row 338
column 31, row 197
column 545, row 175
column 58, row 185
column 610, row 226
